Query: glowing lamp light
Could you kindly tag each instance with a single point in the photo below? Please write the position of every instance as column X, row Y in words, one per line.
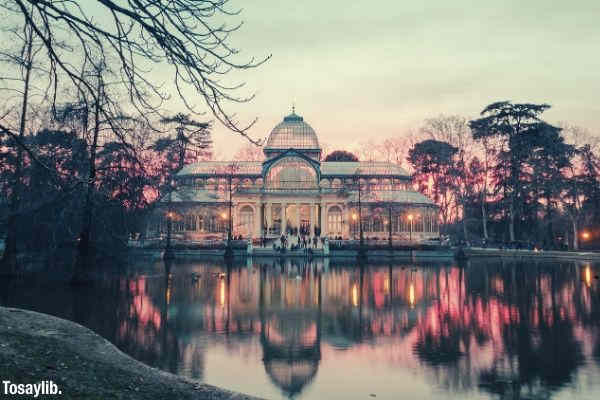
column 222, row 293
column 224, row 215
column 355, row 295
column 585, row 235
column 411, row 295
column 588, row 276
column 354, row 217
column 410, row 217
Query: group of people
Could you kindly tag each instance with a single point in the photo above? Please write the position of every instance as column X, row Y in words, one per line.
column 302, row 242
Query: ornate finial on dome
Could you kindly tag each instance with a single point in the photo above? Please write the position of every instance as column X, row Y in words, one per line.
column 294, row 108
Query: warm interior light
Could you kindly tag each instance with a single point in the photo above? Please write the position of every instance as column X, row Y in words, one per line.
column 411, row 294
column 410, row 217
column 223, row 215
column 355, row 295
column 354, row 217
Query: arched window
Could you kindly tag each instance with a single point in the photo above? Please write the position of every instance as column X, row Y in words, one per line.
column 246, row 221
column 334, row 221
column 292, row 173
column 378, row 220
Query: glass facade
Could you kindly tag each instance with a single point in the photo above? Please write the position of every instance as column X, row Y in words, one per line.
column 292, row 192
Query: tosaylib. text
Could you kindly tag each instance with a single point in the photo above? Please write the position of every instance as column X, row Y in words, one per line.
column 31, row 389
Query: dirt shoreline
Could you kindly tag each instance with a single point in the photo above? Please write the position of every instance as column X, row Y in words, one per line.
column 36, row 347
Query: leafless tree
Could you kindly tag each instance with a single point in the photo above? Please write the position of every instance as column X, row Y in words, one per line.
column 136, row 37
column 20, row 87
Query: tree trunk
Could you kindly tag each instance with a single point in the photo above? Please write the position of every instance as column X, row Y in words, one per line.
column 511, row 221
column 484, row 218
column 464, row 221
column 86, row 257
column 484, row 193
column 575, row 234
column 550, row 227
column 9, row 260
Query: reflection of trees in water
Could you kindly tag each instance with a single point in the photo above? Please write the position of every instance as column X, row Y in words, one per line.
column 510, row 328
column 541, row 350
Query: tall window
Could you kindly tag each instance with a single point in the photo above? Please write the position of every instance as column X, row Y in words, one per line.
column 190, row 222
column 334, row 221
column 246, row 221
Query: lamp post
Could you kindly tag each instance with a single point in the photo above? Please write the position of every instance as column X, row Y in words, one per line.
column 389, row 223
column 410, row 218
column 228, row 249
column 227, row 223
column 168, row 255
column 362, row 254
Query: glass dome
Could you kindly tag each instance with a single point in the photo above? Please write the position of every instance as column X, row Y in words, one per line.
column 293, row 133
column 291, row 173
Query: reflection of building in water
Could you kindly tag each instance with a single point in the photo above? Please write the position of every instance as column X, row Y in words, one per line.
column 290, row 315
column 293, row 191
column 462, row 326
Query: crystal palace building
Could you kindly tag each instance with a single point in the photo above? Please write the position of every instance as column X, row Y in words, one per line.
column 293, row 192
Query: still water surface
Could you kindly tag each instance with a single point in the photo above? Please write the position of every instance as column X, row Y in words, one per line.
column 314, row 330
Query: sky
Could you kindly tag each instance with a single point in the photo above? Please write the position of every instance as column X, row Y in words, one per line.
column 364, row 70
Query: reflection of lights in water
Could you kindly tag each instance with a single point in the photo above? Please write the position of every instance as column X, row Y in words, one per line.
column 355, row 295
column 588, row 276
column 222, row 293
column 411, row 294
column 169, row 285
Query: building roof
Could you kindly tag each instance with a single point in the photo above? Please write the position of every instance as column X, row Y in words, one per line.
column 222, row 168
column 366, row 168
column 328, row 169
column 392, row 196
column 189, row 194
column 292, row 133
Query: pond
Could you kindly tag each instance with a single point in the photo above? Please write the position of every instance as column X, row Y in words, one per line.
column 272, row 328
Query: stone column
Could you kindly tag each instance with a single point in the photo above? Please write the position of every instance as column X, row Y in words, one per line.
column 324, row 220
column 312, row 219
column 283, row 218
column 234, row 220
column 269, row 215
column 298, row 216
column 347, row 222
column 258, row 218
